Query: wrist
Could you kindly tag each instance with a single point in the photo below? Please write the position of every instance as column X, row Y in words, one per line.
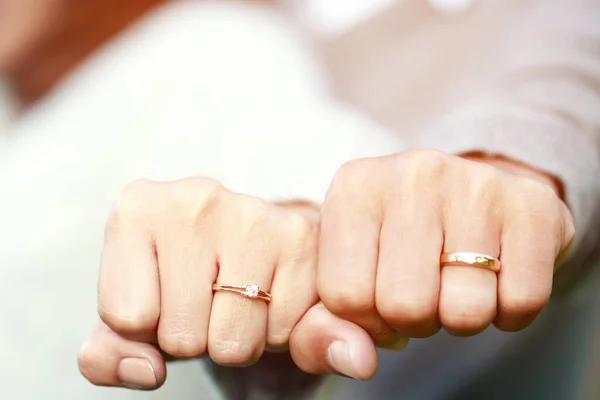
column 518, row 168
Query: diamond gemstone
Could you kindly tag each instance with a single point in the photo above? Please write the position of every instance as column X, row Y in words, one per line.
column 251, row 291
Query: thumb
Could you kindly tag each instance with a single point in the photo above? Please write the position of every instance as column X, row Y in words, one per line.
column 106, row 359
column 323, row 343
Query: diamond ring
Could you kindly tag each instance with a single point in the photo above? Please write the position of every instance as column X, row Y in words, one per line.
column 251, row 291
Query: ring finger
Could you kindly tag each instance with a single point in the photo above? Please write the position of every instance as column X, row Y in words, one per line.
column 237, row 327
column 468, row 295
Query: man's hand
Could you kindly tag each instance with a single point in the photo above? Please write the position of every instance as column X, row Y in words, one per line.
column 387, row 220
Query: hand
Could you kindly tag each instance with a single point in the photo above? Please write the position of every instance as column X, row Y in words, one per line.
column 386, row 221
column 166, row 244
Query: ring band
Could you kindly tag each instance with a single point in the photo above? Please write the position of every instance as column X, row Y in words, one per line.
column 467, row 259
column 251, row 291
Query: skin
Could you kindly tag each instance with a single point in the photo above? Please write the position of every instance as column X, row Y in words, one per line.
column 423, row 203
column 159, row 262
column 41, row 41
column 374, row 264
column 40, row 44
column 377, row 271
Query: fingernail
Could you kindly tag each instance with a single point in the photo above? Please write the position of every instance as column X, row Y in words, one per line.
column 137, row 373
column 340, row 360
column 397, row 343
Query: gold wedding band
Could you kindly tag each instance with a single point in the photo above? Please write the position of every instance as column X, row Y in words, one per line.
column 251, row 291
column 467, row 259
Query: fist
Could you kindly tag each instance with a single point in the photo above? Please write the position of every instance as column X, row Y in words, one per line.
column 386, row 221
column 166, row 245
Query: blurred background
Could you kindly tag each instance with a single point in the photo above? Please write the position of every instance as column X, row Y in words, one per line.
column 75, row 71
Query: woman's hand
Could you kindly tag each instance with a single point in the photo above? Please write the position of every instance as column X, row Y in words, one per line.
column 387, row 220
column 166, row 244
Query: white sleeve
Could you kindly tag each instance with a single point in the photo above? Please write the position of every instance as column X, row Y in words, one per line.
column 249, row 107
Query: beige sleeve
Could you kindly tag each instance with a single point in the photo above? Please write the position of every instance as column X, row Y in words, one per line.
column 544, row 109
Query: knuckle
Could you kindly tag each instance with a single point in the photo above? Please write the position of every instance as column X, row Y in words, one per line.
column 534, row 195
column 403, row 311
column 523, row 304
column 484, row 184
column 131, row 203
column 350, row 176
column 421, row 167
column 280, row 338
column 545, row 195
column 232, row 352
column 427, row 159
column 254, row 215
column 196, row 196
column 344, row 300
column 127, row 325
column 538, row 207
column 137, row 188
column 300, row 227
column 182, row 344
column 349, row 170
column 464, row 326
column 352, row 181
column 471, row 319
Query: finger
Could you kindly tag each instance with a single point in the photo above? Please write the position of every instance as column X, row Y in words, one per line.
column 568, row 235
column 348, row 251
column 106, row 359
column 468, row 294
column 294, row 284
column 247, row 253
column 408, row 274
column 322, row 343
column 188, row 267
column 533, row 235
column 128, row 290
